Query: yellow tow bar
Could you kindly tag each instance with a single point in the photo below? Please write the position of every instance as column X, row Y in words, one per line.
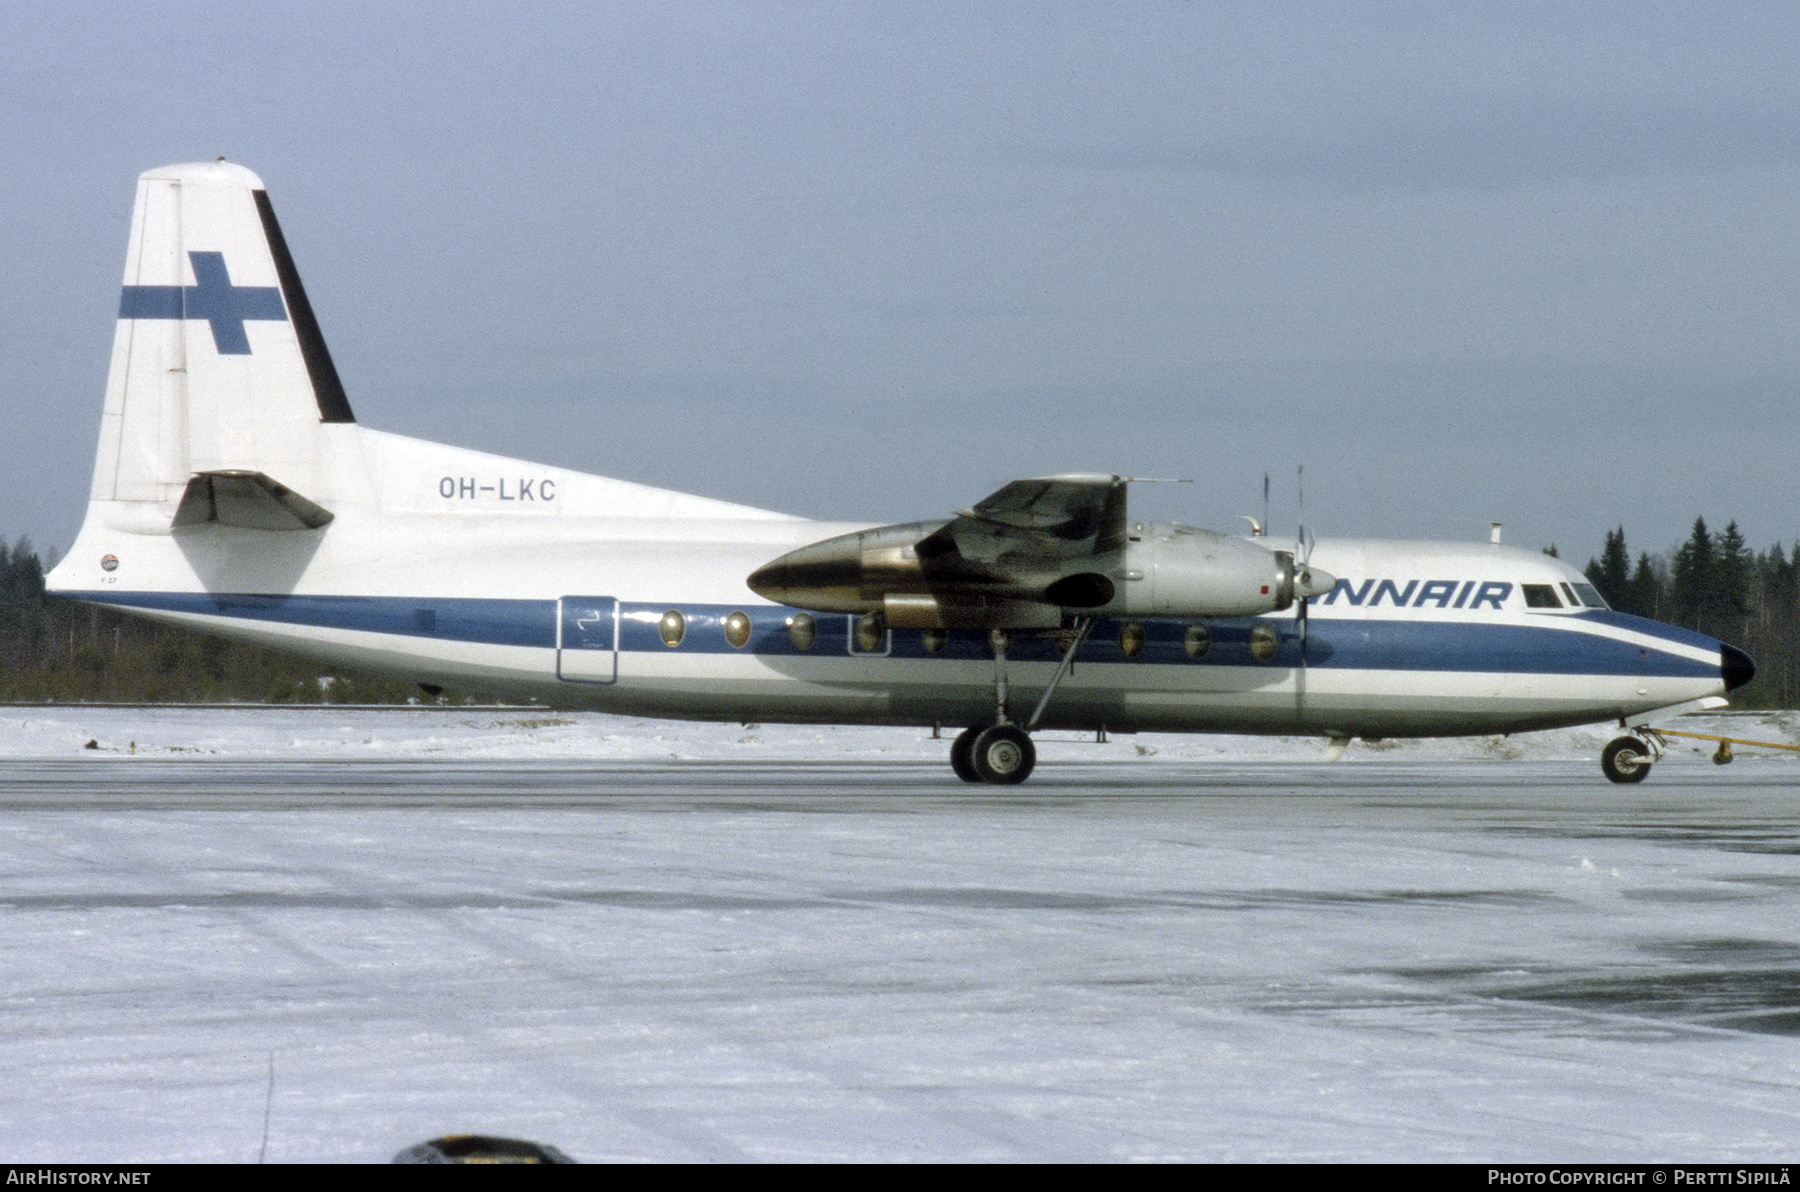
column 1722, row 755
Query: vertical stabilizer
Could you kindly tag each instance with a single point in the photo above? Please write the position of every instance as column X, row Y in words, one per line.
column 218, row 364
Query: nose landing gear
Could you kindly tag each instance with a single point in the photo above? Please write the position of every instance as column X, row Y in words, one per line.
column 1628, row 759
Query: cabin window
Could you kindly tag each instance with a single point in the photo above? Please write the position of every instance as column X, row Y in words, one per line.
column 1131, row 639
column 1541, row 596
column 1197, row 641
column 934, row 640
column 672, row 627
column 737, row 629
column 871, row 633
column 1263, row 642
column 802, row 629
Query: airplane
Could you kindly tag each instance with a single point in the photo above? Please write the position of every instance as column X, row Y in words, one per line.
column 234, row 492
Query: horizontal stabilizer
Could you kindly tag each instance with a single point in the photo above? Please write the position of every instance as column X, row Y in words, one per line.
column 249, row 500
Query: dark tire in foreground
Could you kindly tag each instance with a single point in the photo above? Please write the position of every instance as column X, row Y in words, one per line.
column 961, row 750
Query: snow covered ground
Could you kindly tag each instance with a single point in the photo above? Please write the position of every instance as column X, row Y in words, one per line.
column 529, row 734
column 642, row 940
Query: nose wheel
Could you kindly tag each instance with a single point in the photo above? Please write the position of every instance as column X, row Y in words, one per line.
column 1627, row 759
column 997, row 754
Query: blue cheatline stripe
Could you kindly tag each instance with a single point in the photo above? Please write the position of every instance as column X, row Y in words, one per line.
column 1342, row 644
column 1558, row 647
column 486, row 622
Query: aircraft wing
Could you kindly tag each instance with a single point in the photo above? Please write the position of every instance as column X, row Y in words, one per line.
column 1026, row 537
column 1033, row 524
column 1030, row 555
column 1014, row 559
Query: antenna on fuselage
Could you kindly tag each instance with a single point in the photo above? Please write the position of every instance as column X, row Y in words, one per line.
column 1257, row 528
column 1493, row 528
column 1300, row 496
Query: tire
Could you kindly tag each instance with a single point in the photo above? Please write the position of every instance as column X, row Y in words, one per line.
column 962, row 754
column 1003, row 755
column 1626, row 759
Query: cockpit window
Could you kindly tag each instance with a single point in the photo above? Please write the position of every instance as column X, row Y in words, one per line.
column 1541, row 596
column 1590, row 596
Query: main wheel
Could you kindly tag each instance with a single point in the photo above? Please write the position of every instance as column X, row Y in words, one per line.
column 1003, row 754
column 961, row 754
column 1627, row 759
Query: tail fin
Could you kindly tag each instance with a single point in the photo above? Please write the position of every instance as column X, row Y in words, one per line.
column 218, row 364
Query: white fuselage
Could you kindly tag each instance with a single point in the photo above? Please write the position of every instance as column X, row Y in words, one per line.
column 455, row 568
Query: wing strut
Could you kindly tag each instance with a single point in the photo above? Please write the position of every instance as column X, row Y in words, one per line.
column 1082, row 625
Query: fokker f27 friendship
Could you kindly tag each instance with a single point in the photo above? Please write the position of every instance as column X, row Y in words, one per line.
column 234, row 492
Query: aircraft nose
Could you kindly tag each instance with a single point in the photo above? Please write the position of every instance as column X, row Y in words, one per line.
column 1735, row 667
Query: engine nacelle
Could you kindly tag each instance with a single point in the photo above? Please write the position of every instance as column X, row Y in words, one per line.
column 1164, row 571
column 1179, row 571
column 852, row 573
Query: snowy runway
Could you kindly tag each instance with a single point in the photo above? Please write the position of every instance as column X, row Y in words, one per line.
column 692, row 942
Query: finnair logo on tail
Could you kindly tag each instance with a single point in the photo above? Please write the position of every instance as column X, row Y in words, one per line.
column 1431, row 593
column 215, row 299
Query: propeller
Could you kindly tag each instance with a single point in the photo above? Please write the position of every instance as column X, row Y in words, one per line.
column 1303, row 547
column 1303, row 551
column 1303, row 583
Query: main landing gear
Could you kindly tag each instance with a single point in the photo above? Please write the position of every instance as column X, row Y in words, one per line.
column 1000, row 752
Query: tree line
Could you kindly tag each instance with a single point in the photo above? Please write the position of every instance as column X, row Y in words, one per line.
column 63, row 651
column 1716, row 584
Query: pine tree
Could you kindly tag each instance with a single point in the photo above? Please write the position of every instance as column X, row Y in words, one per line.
column 1691, row 577
column 1611, row 572
column 1728, row 597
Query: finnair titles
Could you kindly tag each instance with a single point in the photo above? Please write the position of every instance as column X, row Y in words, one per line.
column 1438, row 593
column 234, row 492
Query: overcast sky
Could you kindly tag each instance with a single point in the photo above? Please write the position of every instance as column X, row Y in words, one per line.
column 1530, row 263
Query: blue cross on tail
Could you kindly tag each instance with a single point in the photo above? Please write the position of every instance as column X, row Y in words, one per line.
column 215, row 299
